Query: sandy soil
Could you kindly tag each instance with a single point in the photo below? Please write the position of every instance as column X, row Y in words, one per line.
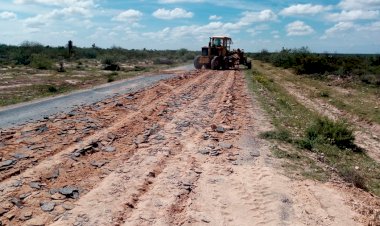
column 183, row 152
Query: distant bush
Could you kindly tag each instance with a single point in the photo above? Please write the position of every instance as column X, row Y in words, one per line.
column 364, row 68
column 353, row 176
column 163, row 60
column 111, row 76
column 325, row 131
column 40, row 61
column 313, row 64
column 370, row 79
column 22, row 54
column 109, row 59
column 282, row 135
column 52, row 89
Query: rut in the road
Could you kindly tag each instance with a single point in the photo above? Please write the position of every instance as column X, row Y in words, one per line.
column 148, row 169
column 184, row 152
column 126, row 118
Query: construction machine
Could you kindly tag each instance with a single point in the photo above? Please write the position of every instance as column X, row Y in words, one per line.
column 217, row 55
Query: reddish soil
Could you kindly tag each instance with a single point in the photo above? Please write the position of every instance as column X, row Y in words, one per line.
column 183, row 152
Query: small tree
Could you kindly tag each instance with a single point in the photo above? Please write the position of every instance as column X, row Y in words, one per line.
column 70, row 46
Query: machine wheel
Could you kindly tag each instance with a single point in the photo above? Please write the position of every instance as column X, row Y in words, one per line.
column 207, row 66
column 226, row 63
column 197, row 65
column 249, row 64
column 215, row 63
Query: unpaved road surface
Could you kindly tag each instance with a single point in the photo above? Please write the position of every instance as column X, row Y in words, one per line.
column 183, row 152
column 21, row 113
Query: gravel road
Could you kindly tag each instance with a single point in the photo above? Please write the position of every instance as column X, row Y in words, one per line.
column 36, row 110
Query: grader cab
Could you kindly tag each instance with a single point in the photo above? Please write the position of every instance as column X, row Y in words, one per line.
column 218, row 55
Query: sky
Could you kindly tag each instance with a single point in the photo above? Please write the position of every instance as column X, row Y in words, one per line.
column 342, row 26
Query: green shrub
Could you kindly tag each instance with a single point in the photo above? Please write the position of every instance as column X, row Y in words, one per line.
column 163, row 60
column 282, row 135
column 40, row 61
column 324, row 94
column 111, row 76
column 353, row 176
column 109, row 60
column 370, row 79
column 327, row 131
column 283, row 59
column 52, row 89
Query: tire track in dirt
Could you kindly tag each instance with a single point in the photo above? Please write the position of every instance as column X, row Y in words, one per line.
column 140, row 175
column 188, row 154
column 85, row 171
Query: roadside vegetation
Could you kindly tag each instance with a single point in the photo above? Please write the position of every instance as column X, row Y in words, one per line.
column 360, row 67
column 312, row 145
column 348, row 82
column 31, row 70
column 36, row 55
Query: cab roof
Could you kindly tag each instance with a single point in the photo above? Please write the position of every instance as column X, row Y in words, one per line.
column 223, row 37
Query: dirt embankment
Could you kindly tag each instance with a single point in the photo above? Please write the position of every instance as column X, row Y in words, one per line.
column 183, row 152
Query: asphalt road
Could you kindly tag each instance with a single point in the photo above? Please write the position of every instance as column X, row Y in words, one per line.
column 36, row 110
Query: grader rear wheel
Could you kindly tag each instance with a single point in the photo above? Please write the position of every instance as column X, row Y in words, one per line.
column 215, row 63
column 249, row 64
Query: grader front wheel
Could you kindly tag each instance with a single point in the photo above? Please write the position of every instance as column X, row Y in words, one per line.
column 197, row 65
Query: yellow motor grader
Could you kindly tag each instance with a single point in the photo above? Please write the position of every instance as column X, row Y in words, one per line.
column 217, row 55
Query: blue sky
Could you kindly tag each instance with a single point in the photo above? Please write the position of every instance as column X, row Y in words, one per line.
column 344, row 26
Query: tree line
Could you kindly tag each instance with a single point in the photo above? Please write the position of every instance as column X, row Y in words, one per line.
column 365, row 67
column 37, row 55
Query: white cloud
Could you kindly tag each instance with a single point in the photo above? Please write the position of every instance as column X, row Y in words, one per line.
column 129, row 15
column 359, row 4
column 8, row 15
column 200, row 33
column 36, row 22
column 375, row 26
column 254, row 32
column 215, row 17
column 43, row 19
column 350, row 29
column 353, row 15
column 249, row 18
column 304, row 9
column 298, row 28
column 179, row 1
column 166, row 14
column 262, row 16
column 65, row 14
column 61, row 3
column 338, row 28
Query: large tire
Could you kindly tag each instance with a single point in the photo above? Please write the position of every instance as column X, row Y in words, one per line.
column 226, row 62
column 197, row 65
column 215, row 63
column 249, row 64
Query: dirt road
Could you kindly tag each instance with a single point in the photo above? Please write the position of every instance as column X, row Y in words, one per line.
column 183, row 152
